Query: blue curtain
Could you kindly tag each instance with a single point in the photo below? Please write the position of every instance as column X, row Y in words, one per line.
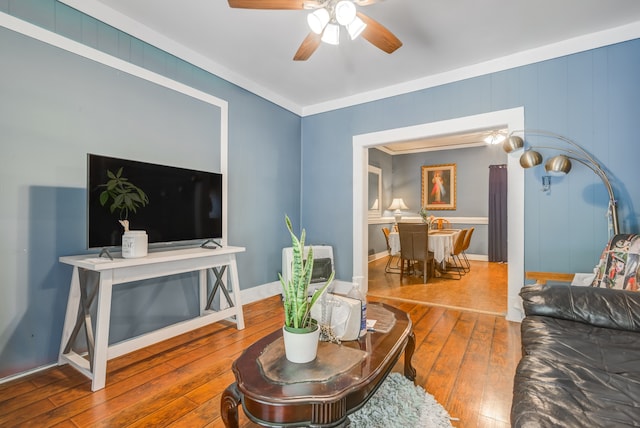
column 498, row 213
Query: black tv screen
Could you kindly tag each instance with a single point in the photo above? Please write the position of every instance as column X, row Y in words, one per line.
column 184, row 205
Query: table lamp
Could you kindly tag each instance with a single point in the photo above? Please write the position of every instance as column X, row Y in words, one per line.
column 397, row 205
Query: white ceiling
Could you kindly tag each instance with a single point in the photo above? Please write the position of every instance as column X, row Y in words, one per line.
column 443, row 41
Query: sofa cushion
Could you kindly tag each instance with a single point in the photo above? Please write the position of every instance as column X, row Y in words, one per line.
column 578, row 375
column 602, row 307
column 619, row 262
column 559, row 394
column 576, row 343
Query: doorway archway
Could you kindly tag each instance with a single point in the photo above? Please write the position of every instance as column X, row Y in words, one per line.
column 511, row 119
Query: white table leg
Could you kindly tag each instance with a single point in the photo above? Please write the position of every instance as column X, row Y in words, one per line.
column 73, row 305
column 102, row 331
column 235, row 286
column 202, row 285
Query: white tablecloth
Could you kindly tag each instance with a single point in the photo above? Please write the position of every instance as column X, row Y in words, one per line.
column 440, row 243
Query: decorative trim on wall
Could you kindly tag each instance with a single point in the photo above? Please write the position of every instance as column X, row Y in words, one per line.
column 38, row 33
column 104, row 13
column 555, row 50
column 512, row 119
column 417, row 219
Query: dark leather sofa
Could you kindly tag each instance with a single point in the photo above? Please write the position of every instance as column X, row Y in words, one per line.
column 580, row 362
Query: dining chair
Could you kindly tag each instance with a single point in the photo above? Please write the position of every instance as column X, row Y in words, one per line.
column 440, row 223
column 465, row 247
column 414, row 246
column 456, row 268
column 388, row 268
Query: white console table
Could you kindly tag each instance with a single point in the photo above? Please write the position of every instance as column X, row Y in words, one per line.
column 95, row 277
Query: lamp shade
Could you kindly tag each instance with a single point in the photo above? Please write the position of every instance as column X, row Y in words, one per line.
column 530, row 158
column 345, row 12
column 512, row 144
column 331, row 34
column 398, row 204
column 356, row 28
column 495, row 138
column 318, row 19
column 558, row 164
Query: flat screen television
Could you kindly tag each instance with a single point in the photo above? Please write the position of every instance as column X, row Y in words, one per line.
column 185, row 206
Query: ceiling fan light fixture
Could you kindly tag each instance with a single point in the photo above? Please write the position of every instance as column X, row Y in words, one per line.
column 318, row 20
column 331, row 34
column 356, row 28
column 495, row 138
column 345, row 12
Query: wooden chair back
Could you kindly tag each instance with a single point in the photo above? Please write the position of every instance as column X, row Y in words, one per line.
column 440, row 223
column 458, row 246
column 467, row 239
column 414, row 245
column 386, row 231
column 414, row 241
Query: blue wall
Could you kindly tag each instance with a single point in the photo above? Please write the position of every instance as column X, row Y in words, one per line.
column 472, row 185
column 384, row 161
column 591, row 97
column 44, row 144
column 281, row 163
column 401, row 175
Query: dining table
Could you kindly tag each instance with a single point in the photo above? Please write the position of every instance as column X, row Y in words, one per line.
column 441, row 242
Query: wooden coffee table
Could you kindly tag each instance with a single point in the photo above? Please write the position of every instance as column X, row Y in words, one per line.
column 312, row 398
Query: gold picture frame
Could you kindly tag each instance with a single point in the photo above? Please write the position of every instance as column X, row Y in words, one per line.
column 439, row 187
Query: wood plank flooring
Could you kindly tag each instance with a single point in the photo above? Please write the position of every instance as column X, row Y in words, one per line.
column 483, row 289
column 465, row 359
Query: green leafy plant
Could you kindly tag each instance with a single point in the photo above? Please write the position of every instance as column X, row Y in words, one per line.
column 122, row 195
column 297, row 304
column 426, row 217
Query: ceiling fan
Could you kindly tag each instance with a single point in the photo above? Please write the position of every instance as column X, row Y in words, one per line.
column 325, row 22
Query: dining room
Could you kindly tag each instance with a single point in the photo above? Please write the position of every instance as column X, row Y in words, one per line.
column 450, row 185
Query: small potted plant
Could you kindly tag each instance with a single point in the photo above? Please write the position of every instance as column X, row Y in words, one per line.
column 124, row 196
column 301, row 331
column 426, row 218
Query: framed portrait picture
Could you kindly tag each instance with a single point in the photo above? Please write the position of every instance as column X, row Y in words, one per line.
column 439, row 187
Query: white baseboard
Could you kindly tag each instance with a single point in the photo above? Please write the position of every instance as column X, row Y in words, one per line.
column 247, row 296
column 479, row 257
column 377, row 256
column 260, row 292
column 270, row 289
column 27, row 373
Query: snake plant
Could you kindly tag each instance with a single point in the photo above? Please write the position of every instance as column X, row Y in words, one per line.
column 297, row 304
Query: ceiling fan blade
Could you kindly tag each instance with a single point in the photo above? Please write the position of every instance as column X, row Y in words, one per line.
column 308, row 47
column 273, row 4
column 378, row 35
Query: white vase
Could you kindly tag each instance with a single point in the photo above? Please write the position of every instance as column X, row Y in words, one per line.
column 134, row 244
column 301, row 347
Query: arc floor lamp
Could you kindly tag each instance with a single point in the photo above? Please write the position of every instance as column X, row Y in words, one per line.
column 560, row 164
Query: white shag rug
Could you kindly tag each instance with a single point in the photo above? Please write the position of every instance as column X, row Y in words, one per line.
column 398, row 403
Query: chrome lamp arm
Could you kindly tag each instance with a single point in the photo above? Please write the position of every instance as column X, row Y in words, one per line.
column 561, row 163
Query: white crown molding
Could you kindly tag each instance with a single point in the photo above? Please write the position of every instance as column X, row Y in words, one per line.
column 531, row 56
column 598, row 39
column 109, row 16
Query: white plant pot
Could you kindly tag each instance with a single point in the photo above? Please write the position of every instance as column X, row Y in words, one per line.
column 134, row 244
column 301, row 347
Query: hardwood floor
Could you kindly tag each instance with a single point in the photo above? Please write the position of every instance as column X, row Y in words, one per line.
column 465, row 359
column 483, row 289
